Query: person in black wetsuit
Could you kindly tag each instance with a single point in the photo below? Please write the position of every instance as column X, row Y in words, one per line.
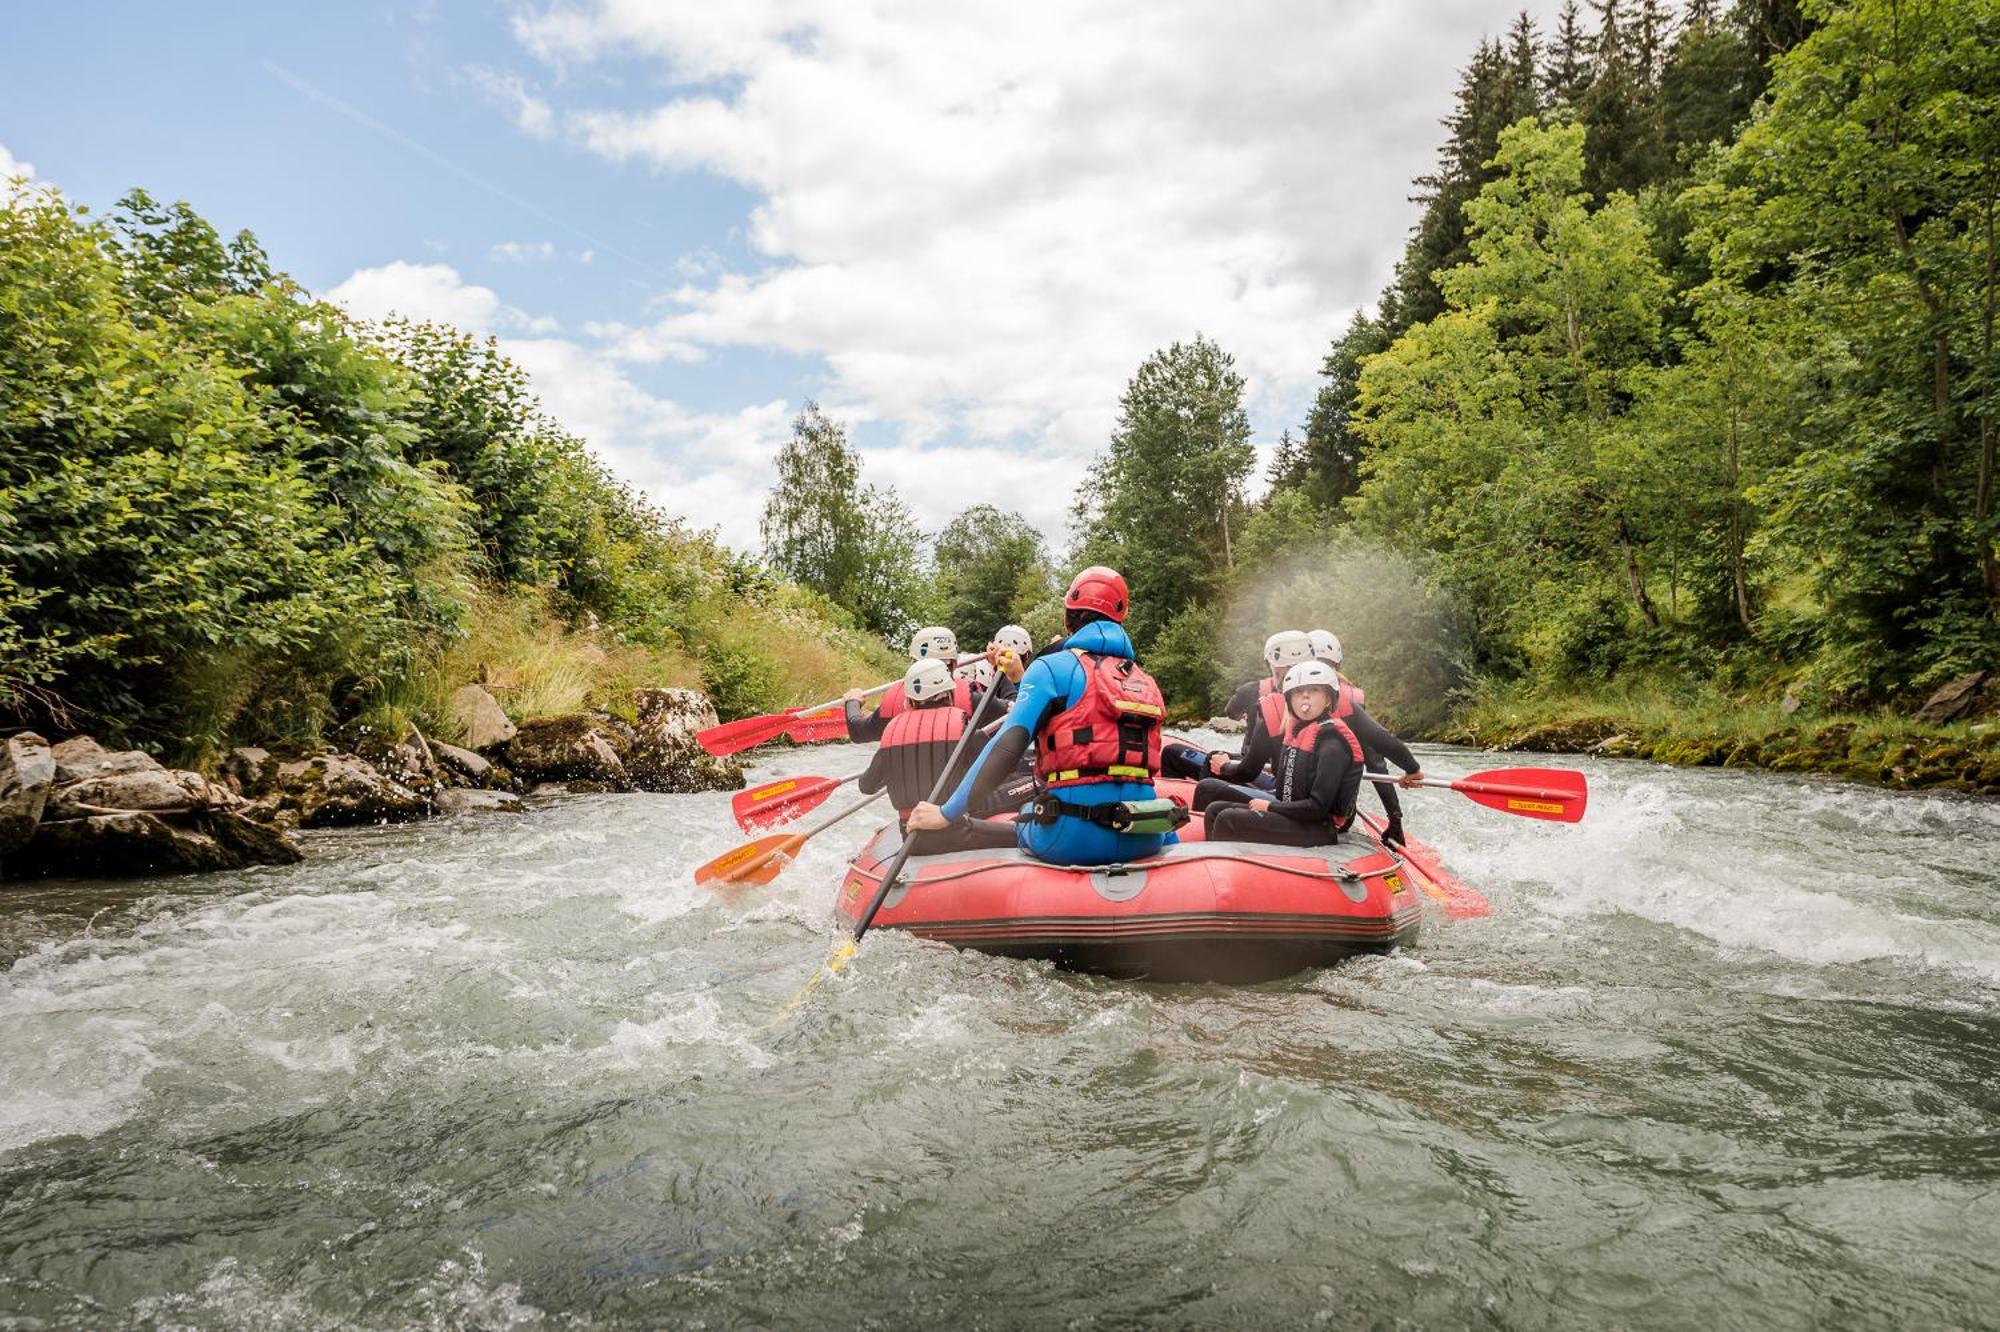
column 1254, row 700
column 931, row 643
column 1264, row 749
column 1318, row 767
column 917, row 745
column 1371, row 733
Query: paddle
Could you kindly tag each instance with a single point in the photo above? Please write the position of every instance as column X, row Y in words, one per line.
column 760, row 861
column 1556, row 794
column 1430, row 875
column 895, row 869
column 781, row 801
column 749, row 732
column 818, row 728
column 841, row 955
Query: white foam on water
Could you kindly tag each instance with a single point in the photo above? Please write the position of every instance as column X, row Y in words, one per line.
column 695, row 1022
column 1697, row 863
column 224, row 984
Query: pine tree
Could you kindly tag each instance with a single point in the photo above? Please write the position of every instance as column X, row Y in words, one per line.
column 1567, row 74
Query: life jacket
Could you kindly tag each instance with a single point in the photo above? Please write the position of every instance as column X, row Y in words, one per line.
column 1297, row 764
column 893, row 703
column 1110, row 734
column 1271, row 703
column 1350, row 698
column 919, row 742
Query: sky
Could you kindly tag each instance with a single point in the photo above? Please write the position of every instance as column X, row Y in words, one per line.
column 959, row 228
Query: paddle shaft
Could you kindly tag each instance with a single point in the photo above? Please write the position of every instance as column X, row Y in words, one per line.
column 800, row 714
column 1484, row 788
column 793, row 841
column 895, row 869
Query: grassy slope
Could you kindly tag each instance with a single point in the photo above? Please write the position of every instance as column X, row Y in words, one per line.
column 1637, row 721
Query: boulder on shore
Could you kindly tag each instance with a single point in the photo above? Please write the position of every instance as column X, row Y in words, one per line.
column 81, row 757
column 406, row 760
column 121, row 812
column 27, row 771
column 330, row 789
column 465, row 765
column 465, row 800
column 141, row 842
column 663, row 755
column 569, row 748
column 481, row 721
column 1953, row 701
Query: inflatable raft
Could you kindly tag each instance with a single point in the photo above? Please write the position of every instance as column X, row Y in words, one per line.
column 1235, row 912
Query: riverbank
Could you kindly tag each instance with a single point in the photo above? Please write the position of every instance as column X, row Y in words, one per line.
column 1880, row 747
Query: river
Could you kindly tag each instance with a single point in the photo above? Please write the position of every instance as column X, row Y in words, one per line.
column 1726, row 1055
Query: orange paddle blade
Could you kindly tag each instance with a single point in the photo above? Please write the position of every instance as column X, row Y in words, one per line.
column 753, row 862
column 781, row 801
column 1556, row 794
column 743, row 733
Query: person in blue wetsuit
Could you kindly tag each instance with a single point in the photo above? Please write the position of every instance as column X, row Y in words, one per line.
column 1094, row 718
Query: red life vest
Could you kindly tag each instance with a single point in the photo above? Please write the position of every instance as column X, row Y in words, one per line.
column 1297, row 764
column 893, row 703
column 1350, row 698
column 918, row 743
column 1110, row 734
column 1271, row 703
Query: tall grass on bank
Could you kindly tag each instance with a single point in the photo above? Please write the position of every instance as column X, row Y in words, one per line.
column 1696, row 725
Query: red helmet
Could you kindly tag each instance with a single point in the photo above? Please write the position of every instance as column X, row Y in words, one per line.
column 1100, row 589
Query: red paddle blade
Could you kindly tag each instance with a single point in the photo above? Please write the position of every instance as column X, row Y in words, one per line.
column 753, row 862
column 778, row 802
column 817, row 728
column 744, row 733
column 1556, row 794
column 1459, row 901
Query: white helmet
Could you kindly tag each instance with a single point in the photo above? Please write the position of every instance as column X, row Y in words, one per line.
column 934, row 641
column 1312, row 673
column 978, row 670
column 1325, row 646
column 1013, row 638
column 925, row 680
column 1285, row 648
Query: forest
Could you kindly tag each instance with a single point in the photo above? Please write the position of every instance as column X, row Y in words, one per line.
column 1685, row 383
column 1682, row 392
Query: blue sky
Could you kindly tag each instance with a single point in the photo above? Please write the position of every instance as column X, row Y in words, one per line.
column 959, row 230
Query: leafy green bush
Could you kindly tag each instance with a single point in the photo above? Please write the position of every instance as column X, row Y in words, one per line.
column 227, row 513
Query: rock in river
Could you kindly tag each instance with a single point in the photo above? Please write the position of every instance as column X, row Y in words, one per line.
column 121, row 812
column 330, row 788
column 27, row 770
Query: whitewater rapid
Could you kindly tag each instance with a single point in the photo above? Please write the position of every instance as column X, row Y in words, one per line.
column 1728, row 1052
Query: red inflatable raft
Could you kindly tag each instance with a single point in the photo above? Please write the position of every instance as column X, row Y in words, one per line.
column 1237, row 912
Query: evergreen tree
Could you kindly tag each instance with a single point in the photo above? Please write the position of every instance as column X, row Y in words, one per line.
column 1328, row 467
column 1567, row 75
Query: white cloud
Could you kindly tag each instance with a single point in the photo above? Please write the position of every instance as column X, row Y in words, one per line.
column 12, row 166
column 522, row 252
column 983, row 218
column 432, row 291
column 531, row 114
